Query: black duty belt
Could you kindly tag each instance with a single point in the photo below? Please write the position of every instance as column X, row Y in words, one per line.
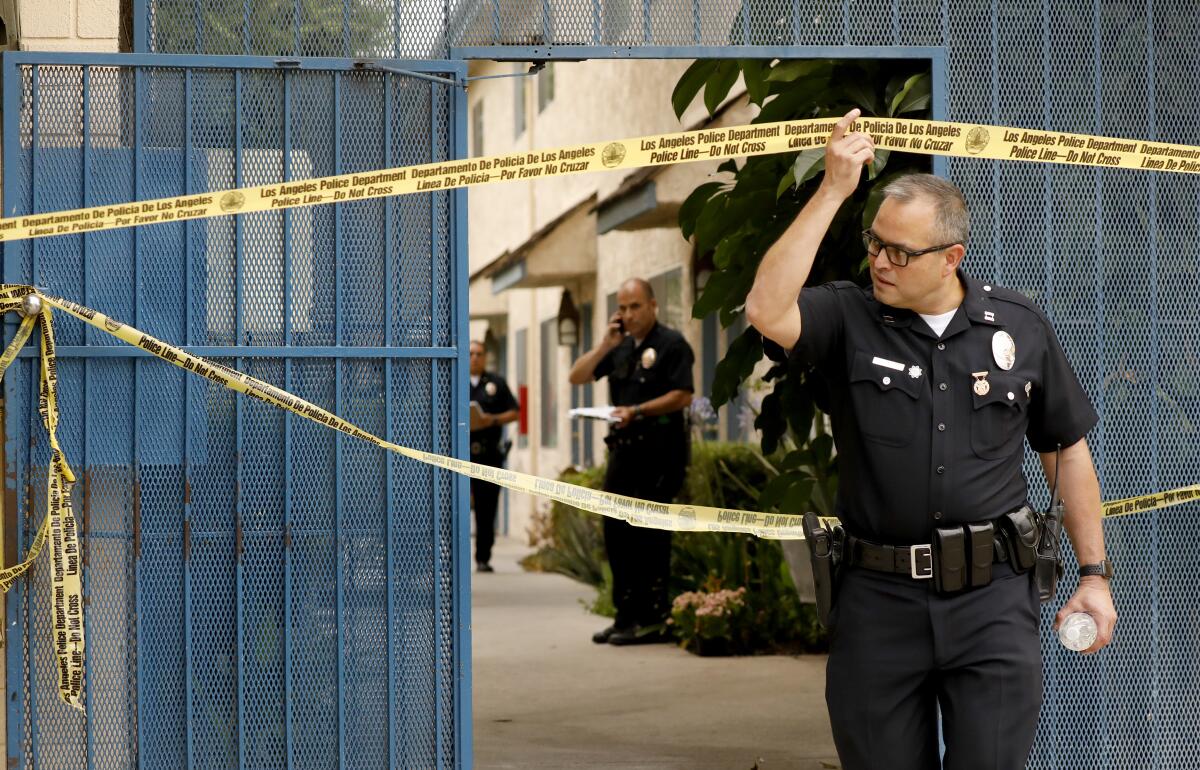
column 913, row 560
column 960, row 556
column 485, row 448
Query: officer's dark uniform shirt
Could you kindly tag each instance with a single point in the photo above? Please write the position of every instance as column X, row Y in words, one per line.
column 638, row 373
column 494, row 397
column 919, row 445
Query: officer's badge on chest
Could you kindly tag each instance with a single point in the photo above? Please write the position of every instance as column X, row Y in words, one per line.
column 649, row 356
column 490, row 388
column 1004, row 350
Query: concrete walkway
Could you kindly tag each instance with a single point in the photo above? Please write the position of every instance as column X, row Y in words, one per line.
column 546, row 697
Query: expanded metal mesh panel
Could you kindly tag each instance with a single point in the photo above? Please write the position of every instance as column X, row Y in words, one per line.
column 261, row 592
column 376, row 28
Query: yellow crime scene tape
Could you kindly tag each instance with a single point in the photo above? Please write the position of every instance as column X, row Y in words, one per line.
column 927, row 137
column 59, row 526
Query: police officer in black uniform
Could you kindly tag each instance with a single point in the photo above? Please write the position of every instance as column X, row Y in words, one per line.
column 935, row 382
column 649, row 370
column 496, row 401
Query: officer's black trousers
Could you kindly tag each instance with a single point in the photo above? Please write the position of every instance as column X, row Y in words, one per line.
column 485, row 495
column 640, row 557
column 898, row 650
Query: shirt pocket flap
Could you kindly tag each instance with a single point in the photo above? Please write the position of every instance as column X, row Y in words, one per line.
column 883, row 372
column 1004, row 390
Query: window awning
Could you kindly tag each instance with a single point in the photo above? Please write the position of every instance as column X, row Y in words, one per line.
column 562, row 251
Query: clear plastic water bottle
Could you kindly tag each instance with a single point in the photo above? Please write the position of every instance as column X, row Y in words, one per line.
column 1078, row 631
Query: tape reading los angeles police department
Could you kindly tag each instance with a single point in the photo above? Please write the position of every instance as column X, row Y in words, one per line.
column 890, row 134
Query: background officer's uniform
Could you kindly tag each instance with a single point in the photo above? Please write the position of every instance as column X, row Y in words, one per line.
column 494, row 397
column 647, row 459
column 924, row 443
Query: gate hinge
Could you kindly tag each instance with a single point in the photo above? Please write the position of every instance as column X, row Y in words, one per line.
column 187, row 540
column 137, row 519
column 237, row 537
column 287, row 537
column 187, row 490
column 534, row 68
column 368, row 64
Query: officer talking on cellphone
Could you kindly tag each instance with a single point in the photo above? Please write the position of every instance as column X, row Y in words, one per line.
column 649, row 371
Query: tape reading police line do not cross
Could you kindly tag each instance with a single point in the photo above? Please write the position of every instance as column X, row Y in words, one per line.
column 927, row 137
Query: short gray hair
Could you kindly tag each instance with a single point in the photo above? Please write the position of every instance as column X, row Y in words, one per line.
column 953, row 221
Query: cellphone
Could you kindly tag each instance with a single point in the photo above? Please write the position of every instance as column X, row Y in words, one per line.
column 621, row 325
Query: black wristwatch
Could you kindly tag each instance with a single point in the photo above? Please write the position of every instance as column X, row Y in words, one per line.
column 1104, row 569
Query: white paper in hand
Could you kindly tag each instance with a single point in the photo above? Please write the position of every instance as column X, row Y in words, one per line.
column 595, row 413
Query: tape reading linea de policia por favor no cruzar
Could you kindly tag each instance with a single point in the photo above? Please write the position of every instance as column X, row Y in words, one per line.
column 926, row 137
column 919, row 136
column 59, row 525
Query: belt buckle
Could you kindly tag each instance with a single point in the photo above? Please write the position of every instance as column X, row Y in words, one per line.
column 921, row 568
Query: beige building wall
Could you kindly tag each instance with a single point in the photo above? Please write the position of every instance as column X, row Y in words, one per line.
column 62, row 25
column 593, row 101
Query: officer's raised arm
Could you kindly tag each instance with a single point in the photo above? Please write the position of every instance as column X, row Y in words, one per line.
column 771, row 304
column 584, row 368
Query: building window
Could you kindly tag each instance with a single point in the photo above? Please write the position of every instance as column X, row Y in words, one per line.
column 545, row 86
column 522, row 377
column 581, row 395
column 477, row 129
column 549, row 384
column 519, row 84
column 668, row 291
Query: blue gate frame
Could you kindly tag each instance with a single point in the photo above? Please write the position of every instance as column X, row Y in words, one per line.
column 256, row 584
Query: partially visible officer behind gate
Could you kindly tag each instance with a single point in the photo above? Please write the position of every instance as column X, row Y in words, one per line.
column 935, row 380
column 496, row 402
column 649, row 370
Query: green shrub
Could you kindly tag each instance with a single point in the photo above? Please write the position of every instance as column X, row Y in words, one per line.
column 721, row 474
column 570, row 541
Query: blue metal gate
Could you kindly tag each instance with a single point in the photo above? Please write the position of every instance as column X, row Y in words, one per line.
column 260, row 591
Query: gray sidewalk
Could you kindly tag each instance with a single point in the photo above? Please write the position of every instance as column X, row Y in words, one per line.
column 546, row 697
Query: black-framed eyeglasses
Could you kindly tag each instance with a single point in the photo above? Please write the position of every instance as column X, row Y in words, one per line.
column 896, row 255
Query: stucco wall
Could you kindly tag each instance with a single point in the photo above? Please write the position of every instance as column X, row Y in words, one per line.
column 67, row 25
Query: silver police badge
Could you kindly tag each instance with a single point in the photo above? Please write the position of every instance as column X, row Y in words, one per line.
column 649, row 356
column 1004, row 350
column 914, row 372
column 490, row 388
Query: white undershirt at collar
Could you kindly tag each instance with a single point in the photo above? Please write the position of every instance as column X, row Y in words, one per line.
column 939, row 322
